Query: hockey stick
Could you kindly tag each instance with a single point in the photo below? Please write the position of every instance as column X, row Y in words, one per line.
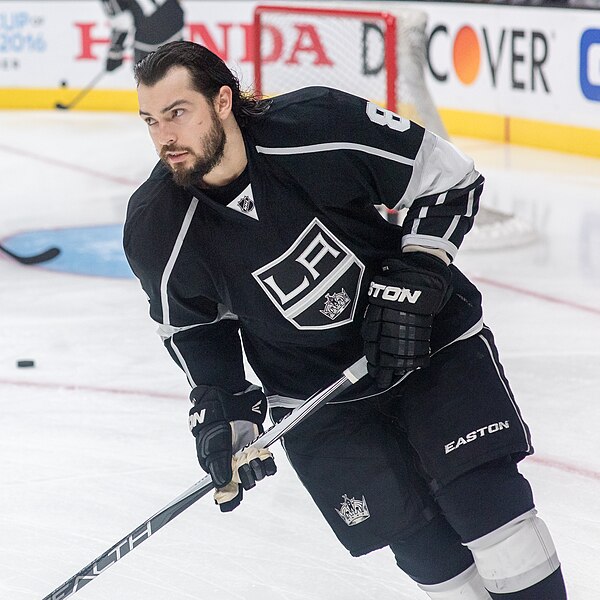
column 202, row 487
column 84, row 92
column 36, row 259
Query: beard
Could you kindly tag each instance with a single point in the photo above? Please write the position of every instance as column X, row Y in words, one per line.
column 213, row 148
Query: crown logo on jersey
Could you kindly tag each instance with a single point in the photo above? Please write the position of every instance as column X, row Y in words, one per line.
column 353, row 511
column 246, row 204
column 335, row 304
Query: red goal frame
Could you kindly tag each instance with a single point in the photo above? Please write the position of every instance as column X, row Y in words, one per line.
column 389, row 40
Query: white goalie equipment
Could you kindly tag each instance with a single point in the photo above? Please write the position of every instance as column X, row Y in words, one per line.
column 377, row 51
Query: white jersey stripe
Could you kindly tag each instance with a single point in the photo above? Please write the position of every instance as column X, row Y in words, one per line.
column 328, row 147
column 430, row 241
column 441, row 198
column 508, row 393
column 164, row 282
column 417, row 221
column 452, row 227
column 182, row 362
column 167, row 331
column 470, row 202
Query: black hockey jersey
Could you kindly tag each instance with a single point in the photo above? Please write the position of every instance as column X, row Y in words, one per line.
column 284, row 254
column 156, row 22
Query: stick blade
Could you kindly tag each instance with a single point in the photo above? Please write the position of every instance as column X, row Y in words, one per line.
column 35, row 259
column 41, row 258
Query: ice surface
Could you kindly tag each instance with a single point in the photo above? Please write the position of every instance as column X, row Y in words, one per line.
column 94, row 439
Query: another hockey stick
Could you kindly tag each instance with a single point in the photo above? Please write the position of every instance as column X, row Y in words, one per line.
column 36, row 259
column 202, row 487
column 84, row 92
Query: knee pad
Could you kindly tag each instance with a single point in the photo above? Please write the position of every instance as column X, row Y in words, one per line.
column 432, row 554
column 485, row 498
column 466, row 586
column 516, row 555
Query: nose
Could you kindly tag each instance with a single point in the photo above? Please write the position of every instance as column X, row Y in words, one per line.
column 165, row 135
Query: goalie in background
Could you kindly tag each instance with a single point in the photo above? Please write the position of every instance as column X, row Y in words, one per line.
column 155, row 22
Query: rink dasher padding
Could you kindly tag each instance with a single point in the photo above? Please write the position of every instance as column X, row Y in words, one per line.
column 497, row 128
column 517, row 74
column 524, row 132
column 46, row 99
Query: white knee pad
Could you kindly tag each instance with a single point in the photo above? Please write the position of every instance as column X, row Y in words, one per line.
column 516, row 555
column 465, row 586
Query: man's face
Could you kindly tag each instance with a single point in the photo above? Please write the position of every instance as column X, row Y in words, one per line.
column 185, row 129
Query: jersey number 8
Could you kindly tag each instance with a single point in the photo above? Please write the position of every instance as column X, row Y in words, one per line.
column 382, row 116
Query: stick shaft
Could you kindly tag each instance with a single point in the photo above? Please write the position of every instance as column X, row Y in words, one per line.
column 84, row 92
column 201, row 488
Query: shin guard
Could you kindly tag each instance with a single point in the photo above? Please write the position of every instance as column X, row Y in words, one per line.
column 465, row 586
column 515, row 556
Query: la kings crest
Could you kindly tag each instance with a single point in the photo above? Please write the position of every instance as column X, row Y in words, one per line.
column 315, row 283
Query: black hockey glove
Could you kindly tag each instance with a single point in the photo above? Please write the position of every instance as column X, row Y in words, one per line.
column 112, row 64
column 402, row 303
column 223, row 424
column 114, row 58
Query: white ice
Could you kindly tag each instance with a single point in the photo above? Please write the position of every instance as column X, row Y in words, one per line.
column 94, row 439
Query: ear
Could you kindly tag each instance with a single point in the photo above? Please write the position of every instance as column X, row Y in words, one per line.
column 223, row 102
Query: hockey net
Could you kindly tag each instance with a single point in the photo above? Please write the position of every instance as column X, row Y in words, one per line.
column 374, row 51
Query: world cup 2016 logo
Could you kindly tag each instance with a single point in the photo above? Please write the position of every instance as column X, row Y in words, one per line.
column 315, row 283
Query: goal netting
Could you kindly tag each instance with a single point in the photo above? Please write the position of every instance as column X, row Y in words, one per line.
column 371, row 53
column 377, row 51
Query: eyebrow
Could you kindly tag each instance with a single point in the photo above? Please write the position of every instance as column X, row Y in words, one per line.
column 166, row 108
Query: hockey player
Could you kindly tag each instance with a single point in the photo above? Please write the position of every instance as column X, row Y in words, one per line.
column 155, row 22
column 259, row 221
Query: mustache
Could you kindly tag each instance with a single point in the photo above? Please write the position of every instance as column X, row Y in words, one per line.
column 171, row 148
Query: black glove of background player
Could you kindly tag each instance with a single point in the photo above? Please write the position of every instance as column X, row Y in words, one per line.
column 114, row 59
column 223, row 424
column 402, row 303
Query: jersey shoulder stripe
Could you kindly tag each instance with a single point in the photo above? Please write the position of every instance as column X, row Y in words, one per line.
column 322, row 115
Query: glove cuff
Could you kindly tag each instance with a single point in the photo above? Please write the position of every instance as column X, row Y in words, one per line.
column 117, row 42
column 422, row 260
column 212, row 404
column 417, row 283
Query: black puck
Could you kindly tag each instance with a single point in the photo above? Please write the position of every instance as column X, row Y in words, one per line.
column 25, row 363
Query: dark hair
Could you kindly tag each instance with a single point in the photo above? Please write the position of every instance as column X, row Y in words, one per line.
column 208, row 73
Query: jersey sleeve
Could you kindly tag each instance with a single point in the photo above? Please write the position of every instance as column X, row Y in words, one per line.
column 419, row 171
column 120, row 20
column 207, row 350
column 442, row 197
column 199, row 333
column 359, row 149
column 109, row 7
